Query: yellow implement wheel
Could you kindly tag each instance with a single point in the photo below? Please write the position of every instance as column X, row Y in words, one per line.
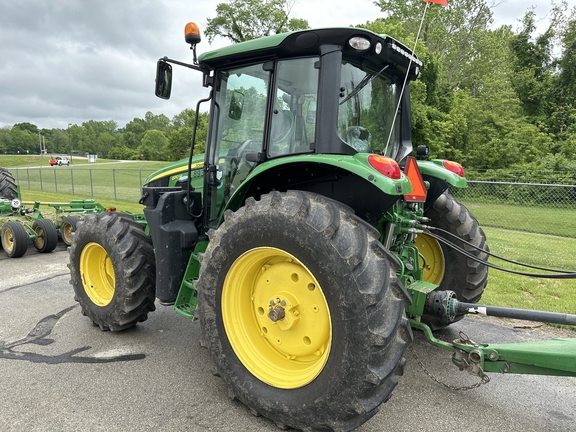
column 97, row 274
column 276, row 317
column 67, row 228
column 46, row 238
column 14, row 239
column 433, row 262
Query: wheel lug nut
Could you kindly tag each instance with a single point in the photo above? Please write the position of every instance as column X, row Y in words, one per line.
column 276, row 314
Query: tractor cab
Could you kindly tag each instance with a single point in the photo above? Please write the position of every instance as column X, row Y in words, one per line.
column 340, row 91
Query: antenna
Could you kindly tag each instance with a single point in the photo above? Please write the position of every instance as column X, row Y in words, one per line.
column 443, row 3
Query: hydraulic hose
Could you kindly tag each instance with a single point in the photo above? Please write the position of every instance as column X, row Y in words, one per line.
column 498, row 256
column 564, row 275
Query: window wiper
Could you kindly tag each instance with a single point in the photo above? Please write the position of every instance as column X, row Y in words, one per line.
column 365, row 81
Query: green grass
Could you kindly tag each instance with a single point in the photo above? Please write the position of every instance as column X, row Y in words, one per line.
column 505, row 289
column 555, row 221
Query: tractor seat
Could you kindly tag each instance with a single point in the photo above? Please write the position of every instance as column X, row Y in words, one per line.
column 282, row 126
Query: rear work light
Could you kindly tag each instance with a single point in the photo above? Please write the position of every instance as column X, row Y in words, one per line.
column 455, row 167
column 385, row 165
column 359, row 43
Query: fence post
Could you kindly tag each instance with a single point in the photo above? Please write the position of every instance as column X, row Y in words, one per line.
column 72, row 178
column 114, row 180
column 91, row 185
column 40, row 171
column 55, row 182
column 28, row 175
column 140, row 175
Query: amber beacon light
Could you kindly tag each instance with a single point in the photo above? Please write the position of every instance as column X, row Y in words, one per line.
column 192, row 33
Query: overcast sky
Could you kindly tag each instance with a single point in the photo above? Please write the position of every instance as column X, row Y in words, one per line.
column 70, row 61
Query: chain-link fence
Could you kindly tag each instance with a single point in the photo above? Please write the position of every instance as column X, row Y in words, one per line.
column 116, row 182
column 530, row 222
column 529, row 207
column 511, row 208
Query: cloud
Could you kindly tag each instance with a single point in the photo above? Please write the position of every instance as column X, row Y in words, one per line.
column 70, row 61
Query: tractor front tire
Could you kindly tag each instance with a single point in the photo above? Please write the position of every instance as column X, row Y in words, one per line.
column 302, row 312
column 8, row 188
column 46, row 235
column 112, row 270
column 14, row 239
column 444, row 265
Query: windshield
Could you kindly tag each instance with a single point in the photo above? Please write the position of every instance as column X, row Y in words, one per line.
column 366, row 111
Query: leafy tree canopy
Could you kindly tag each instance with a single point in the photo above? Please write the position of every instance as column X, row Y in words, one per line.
column 242, row 20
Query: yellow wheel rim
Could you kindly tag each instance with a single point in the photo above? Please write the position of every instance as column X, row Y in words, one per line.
column 67, row 233
column 286, row 351
column 432, row 258
column 8, row 240
column 40, row 239
column 97, row 274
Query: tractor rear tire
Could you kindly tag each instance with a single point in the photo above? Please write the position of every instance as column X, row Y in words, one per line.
column 46, row 235
column 68, row 227
column 302, row 312
column 444, row 265
column 14, row 239
column 8, row 188
column 112, row 270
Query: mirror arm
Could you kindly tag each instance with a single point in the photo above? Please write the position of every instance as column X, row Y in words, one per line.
column 197, row 68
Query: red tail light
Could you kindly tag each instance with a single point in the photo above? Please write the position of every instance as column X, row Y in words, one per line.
column 455, row 167
column 385, row 165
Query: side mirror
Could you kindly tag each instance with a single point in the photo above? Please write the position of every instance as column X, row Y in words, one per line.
column 163, row 79
column 236, row 105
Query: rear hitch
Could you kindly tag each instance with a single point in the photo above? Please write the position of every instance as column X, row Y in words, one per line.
column 544, row 357
column 444, row 306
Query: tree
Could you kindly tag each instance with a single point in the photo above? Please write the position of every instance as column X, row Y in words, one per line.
column 153, row 145
column 158, row 122
column 56, row 140
column 242, row 20
column 185, row 118
column 454, row 33
column 130, row 140
column 532, row 65
column 32, row 128
column 5, row 139
column 179, row 142
column 122, row 152
column 22, row 141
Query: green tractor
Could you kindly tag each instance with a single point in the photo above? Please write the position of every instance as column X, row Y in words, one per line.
column 307, row 239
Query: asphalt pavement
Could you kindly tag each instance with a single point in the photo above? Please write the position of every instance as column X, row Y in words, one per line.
column 58, row 372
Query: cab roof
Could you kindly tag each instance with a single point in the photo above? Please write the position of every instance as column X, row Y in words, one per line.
column 309, row 42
